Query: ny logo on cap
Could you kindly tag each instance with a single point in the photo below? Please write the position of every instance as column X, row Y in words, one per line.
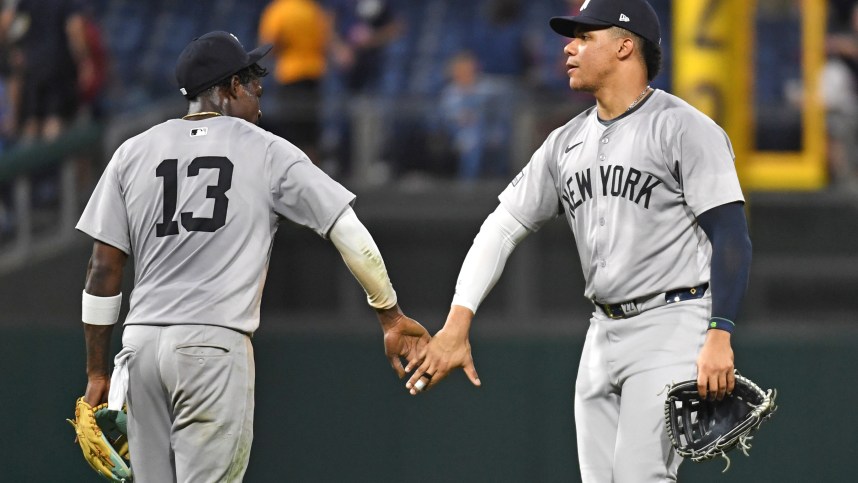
column 623, row 18
column 587, row 2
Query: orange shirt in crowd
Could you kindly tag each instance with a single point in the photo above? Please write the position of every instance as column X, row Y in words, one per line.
column 300, row 31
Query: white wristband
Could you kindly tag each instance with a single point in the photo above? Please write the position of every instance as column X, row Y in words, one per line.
column 100, row 310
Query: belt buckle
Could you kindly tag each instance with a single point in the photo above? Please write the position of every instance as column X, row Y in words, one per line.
column 610, row 313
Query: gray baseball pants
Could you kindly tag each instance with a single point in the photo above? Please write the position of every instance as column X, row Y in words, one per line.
column 190, row 403
column 620, row 391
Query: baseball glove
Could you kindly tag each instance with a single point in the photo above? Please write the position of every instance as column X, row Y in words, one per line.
column 101, row 435
column 701, row 429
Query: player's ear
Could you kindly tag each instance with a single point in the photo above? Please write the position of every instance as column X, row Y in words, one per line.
column 234, row 86
column 625, row 48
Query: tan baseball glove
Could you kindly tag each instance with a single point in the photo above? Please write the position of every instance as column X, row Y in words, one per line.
column 101, row 435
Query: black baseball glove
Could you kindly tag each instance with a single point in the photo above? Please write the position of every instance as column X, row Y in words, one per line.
column 701, row 429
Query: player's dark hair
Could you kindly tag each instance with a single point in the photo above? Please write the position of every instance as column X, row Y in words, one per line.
column 650, row 51
column 254, row 71
column 248, row 74
column 652, row 58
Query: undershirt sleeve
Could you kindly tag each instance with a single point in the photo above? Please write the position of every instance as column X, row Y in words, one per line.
column 485, row 261
column 727, row 229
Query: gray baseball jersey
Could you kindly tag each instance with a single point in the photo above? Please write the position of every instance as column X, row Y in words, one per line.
column 631, row 191
column 197, row 203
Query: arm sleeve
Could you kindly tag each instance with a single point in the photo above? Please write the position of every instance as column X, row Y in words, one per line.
column 484, row 263
column 105, row 217
column 301, row 192
column 727, row 229
column 361, row 255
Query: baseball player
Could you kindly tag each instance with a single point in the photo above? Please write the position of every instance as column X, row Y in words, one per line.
column 648, row 186
column 197, row 201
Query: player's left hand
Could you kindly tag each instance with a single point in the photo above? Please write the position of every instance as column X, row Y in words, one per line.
column 449, row 348
column 715, row 375
column 403, row 337
column 97, row 388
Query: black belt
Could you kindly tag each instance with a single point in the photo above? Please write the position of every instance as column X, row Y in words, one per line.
column 624, row 310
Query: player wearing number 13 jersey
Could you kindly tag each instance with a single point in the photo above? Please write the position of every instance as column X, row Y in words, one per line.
column 197, row 202
column 186, row 198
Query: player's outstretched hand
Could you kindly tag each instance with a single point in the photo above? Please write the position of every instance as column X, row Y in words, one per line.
column 403, row 337
column 449, row 349
column 715, row 376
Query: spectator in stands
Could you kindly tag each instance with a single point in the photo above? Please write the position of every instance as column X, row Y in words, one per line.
column 840, row 89
column 474, row 125
column 363, row 30
column 499, row 41
column 53, row 49
column 300, row 31
column 10, row 32
column 506, row 57
column 92, row 71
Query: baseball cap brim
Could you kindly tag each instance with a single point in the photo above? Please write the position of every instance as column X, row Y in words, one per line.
column 252, row 57
column 565, row 26
column 258, row 53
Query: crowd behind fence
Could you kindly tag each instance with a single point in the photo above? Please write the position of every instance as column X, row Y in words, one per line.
column 407, row 92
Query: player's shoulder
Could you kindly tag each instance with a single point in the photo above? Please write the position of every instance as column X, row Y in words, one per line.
column 140, row 141
column 571, row 127
column 678, row 115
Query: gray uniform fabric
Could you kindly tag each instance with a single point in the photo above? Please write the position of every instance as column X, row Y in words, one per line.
column 630, row 191
column 197, row 204
column 247, row 176
column 190, row 403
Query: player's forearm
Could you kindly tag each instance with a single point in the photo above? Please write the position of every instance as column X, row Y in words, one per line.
column 727, row 230
column 100, row 305
column 389, row 317
column 363, row 258
column 486, row 259
column 97, row 350
column 459, row 320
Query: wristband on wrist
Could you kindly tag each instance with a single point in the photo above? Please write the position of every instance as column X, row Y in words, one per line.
column 100, row 310
column 722, row 323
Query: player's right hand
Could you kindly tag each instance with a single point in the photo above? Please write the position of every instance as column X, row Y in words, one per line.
column 448, row 349
column 404, row 337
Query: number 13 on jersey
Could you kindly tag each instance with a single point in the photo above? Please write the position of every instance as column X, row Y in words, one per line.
column 168, row 169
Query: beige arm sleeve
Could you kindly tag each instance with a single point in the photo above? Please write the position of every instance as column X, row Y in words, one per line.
column 361, row 255
column 485, row 261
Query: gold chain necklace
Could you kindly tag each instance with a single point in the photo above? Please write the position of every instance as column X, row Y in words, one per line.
column 635, row 103
column 197, row 114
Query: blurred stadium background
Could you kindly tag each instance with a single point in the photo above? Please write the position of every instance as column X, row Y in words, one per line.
column 779, row 75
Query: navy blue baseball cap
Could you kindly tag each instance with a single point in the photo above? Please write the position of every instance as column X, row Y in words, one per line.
column 211, row 58
column 636, row 16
